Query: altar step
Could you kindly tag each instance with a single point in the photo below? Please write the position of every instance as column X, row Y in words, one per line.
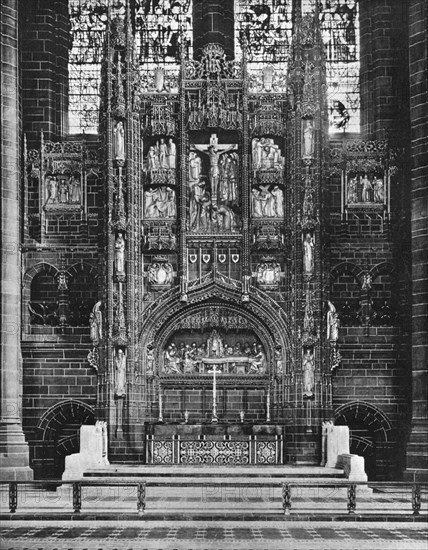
column 197, row 475
column 211, row 472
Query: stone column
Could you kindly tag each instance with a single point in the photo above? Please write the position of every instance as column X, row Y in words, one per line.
column 383, row 69
column 14, row 456
column 417, row 447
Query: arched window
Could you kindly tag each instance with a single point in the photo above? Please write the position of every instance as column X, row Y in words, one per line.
column 265, row 26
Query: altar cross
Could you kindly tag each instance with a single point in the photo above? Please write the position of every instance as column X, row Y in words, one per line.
column 214, row 371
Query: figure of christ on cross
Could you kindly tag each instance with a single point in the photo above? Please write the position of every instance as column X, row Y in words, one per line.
column 214, row 371
column 214, row 151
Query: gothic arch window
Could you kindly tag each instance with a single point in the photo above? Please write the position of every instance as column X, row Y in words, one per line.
column 264, row 26
column 158, row 28
column 340, row 31
column 88, row 19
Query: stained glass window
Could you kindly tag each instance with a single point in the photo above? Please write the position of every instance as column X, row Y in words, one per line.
column 88, row 20
column 264, row 26
column 160, row 27
column 340, row 34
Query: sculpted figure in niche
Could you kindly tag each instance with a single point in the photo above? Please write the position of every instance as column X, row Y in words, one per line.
column 228, row 165
column 172, row 209
column 332, row 323
column 205, row 215
column 150, row 199
column 257, row 150
column 215, row 345
column 278, row 201
column 257, row 203
column 119, row 254
column 119, row 141
column 379, row 195
column 308, row 368
column 189, row 362
column 63, row 192
column 152, row 159
column 197, row 192
column 171, row 154
column 74, row 185
column 52, row 187
column 308, row 138
column 270, row 207
column 120, row 373
column 194, row 166
column 308, row 253
column 367, row 188
column 258, row 364
column 172, row 360
column 162, row 153
column 96, row 323
column 352, row 191
column 278, row 361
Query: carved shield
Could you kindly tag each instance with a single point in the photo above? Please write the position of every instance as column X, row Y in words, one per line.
column 222, row 258
column 193, row 258
column 235, row 258
column 206, row 258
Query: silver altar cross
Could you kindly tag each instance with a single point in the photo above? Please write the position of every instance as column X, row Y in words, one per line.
column 214, row 371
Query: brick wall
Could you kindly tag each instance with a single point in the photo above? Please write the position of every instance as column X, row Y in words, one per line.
column 45, row 41
column 55, row 373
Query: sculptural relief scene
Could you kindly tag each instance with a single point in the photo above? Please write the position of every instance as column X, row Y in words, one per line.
column 266, row 155
column 365, row 188
column 213, row 187
column 267, row 201
column 196, row 354
column 161, row 162
column 63, row 191
column 160, row 203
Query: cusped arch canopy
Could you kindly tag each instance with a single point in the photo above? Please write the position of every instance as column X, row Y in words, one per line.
column 263, row 315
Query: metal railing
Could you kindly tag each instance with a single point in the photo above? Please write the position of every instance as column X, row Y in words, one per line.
column 140, row 487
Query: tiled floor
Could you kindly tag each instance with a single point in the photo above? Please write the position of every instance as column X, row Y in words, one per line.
column 195, row 535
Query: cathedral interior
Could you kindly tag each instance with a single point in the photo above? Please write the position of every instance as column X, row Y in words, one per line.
column 214, row 227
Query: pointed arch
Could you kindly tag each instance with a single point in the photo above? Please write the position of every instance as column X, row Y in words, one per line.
column 264, row 316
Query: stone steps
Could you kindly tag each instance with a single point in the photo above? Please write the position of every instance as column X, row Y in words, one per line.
column 218, row 474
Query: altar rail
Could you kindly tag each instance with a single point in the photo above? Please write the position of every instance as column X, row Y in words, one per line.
column 38, row 502
column 250, row 450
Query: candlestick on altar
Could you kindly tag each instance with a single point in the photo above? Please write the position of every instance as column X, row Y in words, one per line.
column 160, row 419
column 214, row 371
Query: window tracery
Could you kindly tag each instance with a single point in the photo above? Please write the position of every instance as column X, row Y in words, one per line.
column 340, row 34
column 264, row 29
